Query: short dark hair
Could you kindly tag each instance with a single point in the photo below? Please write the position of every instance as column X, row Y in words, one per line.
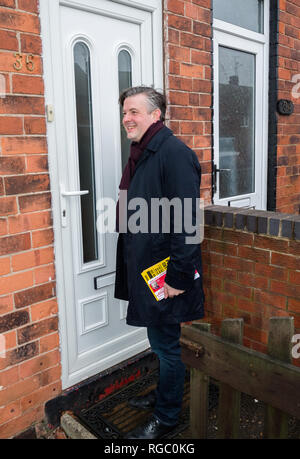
column 155, row 99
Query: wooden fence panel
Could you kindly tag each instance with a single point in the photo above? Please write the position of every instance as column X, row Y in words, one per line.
column 259, row 375
column 199, row 393
column 281, row 330
column 229, row 398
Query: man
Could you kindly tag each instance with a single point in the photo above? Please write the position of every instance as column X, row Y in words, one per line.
column 159, row 166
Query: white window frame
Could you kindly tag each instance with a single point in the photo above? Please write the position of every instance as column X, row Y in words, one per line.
column 239, row 38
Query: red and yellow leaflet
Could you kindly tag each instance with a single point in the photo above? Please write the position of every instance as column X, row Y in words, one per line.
column 154, row 277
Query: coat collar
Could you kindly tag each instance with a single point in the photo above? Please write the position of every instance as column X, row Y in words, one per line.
column 158, row 139
column 155, row 144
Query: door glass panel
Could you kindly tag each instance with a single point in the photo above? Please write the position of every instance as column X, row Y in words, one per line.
column 243, row 13
column 125, row 81
column 86, row 150
column 236, row 122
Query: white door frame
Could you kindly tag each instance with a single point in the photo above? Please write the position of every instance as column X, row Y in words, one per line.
column 53, row 76
column 231, row 34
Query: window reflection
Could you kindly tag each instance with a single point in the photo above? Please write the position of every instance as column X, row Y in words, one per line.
column 236, row 122
column 125, row 81
column 243, row 13
column 86, row 150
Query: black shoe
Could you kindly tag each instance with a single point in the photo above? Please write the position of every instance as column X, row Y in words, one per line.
column 152, row 429
column 143, row 402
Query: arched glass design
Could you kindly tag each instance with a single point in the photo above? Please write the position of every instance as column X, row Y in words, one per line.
column 85, row 138
column 125, row 81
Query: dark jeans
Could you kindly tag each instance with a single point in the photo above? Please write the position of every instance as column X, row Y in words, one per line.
column 164, row 341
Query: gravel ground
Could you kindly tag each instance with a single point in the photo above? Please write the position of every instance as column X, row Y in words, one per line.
column 251, row 419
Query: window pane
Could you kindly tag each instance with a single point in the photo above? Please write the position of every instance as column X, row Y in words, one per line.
column 86, row 150
column 244, row 13
column 236, row 122
column 125, row 81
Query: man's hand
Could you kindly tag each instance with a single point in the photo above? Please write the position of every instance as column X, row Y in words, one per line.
column 170, row 292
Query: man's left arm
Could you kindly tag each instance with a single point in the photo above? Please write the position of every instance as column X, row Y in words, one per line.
column 182, row 180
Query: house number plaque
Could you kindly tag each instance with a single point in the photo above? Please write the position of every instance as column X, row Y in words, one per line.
column 18, row 64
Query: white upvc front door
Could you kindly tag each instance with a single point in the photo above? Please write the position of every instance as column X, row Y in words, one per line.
column 92, row 48
column 240, row 112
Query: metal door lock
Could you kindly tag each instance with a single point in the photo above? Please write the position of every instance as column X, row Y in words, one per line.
column 215, row 170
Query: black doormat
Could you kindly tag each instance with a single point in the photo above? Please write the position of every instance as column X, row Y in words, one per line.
column 112, row 418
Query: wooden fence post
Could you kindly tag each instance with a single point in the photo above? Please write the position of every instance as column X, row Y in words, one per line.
column 229, row 398
column 281, row 330
column 199, row 390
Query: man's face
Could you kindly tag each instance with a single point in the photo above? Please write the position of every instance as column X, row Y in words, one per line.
column 136, row 116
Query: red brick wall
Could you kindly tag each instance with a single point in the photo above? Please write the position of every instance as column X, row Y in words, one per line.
column 248, row 275
column 30, row 369
column 288, row 128
column 188, row 78
column 251, row 269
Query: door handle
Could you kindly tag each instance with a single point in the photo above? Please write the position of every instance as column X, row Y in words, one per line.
column 215, row 170
column 74, row 193
column 63, row 204
column 221, row 170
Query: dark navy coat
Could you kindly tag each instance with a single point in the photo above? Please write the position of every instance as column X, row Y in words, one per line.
column 167, row 168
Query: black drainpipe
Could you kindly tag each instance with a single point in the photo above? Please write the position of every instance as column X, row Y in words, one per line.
column 273, row 92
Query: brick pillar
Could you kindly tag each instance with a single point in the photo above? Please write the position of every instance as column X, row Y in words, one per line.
column 288, row 131
column 30, row 359
column 188, row 78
